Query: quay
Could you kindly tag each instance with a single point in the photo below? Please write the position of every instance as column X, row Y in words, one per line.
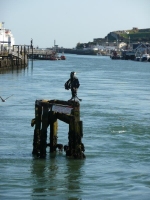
column 45, row 54
column 139, row 52
column 15, row 58
column 20, row 54
column 40, row 54
column 124, row 55
column 47, row 113
column 130, row 55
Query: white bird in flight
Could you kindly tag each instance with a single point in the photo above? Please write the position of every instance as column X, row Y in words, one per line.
column 3, row 100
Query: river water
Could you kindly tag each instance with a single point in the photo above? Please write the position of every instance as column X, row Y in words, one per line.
column 115, row 111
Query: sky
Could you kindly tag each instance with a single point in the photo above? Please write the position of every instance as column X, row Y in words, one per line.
column 68, row 22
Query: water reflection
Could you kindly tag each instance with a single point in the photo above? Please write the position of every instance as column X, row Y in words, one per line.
column 18, row 71
column 31, row 66
column 12, row 70
column 57, row 177
column 43, row 173
column 74, row 179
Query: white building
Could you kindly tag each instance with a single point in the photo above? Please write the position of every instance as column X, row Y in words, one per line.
column 111, row 46
column 6, row 38
column 122, row 45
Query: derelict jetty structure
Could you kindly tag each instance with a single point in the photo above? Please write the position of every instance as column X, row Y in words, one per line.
column 47, row 113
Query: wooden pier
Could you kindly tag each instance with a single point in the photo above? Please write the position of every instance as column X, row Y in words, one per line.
column 47, row 113
column 15, row 58
column 45, row 54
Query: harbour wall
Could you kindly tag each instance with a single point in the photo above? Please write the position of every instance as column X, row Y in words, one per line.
column 13, row 59
column 79, row 51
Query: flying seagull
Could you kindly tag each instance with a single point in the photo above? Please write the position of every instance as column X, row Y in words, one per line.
column 3, row 100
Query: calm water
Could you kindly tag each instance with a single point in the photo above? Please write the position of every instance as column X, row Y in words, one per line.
column 115, row 111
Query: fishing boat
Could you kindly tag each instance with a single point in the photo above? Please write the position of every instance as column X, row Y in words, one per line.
column 62, row 56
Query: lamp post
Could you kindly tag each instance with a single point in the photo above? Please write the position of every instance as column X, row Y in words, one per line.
column 32, row 49
column 3, row 34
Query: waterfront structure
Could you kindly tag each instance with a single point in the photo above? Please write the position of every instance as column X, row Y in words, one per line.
column 47, row 113
column 142, row 48
column 6, row 38
column 142, row 51
column 16, row 58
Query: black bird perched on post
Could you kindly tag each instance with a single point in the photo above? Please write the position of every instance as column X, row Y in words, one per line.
column 73, row 84
column 3, row 100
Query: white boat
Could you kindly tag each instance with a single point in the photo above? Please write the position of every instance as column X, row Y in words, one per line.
column 145, row 57
column 138, row 58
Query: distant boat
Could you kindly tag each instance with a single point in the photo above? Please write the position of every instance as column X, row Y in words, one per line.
column 114, row 55
column 145, row 57
column 62, row 56
column 138, row 58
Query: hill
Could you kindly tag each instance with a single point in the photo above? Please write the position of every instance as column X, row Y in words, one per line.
column 134, row 35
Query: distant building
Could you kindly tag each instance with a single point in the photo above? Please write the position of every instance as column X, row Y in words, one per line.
column 6, row 38
column 122, row 45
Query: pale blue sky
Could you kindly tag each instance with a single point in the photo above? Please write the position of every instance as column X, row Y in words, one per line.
column 71, row 21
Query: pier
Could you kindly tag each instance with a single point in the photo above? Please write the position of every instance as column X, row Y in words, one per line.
column 45, row 54
column 47, row 114
column 39, row 54
column 15, row 58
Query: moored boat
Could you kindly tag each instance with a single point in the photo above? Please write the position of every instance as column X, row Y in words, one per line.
column 145, row 57
column 114, row 55
column 138, row 58
column 62, row 56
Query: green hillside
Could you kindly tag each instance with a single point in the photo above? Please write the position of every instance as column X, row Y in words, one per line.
column 134, row 35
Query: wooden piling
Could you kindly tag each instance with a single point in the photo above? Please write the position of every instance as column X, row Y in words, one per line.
column 75, row 134
column 37, row 130
column 15, row 59
column 53, row 132
column 24, row 55
column 46, row 113
column 43, row 136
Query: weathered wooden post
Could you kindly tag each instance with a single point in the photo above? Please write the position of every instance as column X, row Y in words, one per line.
column 37, row 130
column 46, row 113
column 75, row 134
column 11, row 59
column 24, row 56
column 53, row 131
column 21, row 55
column 32, row 49
column 18, row 57
column 43, row 136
